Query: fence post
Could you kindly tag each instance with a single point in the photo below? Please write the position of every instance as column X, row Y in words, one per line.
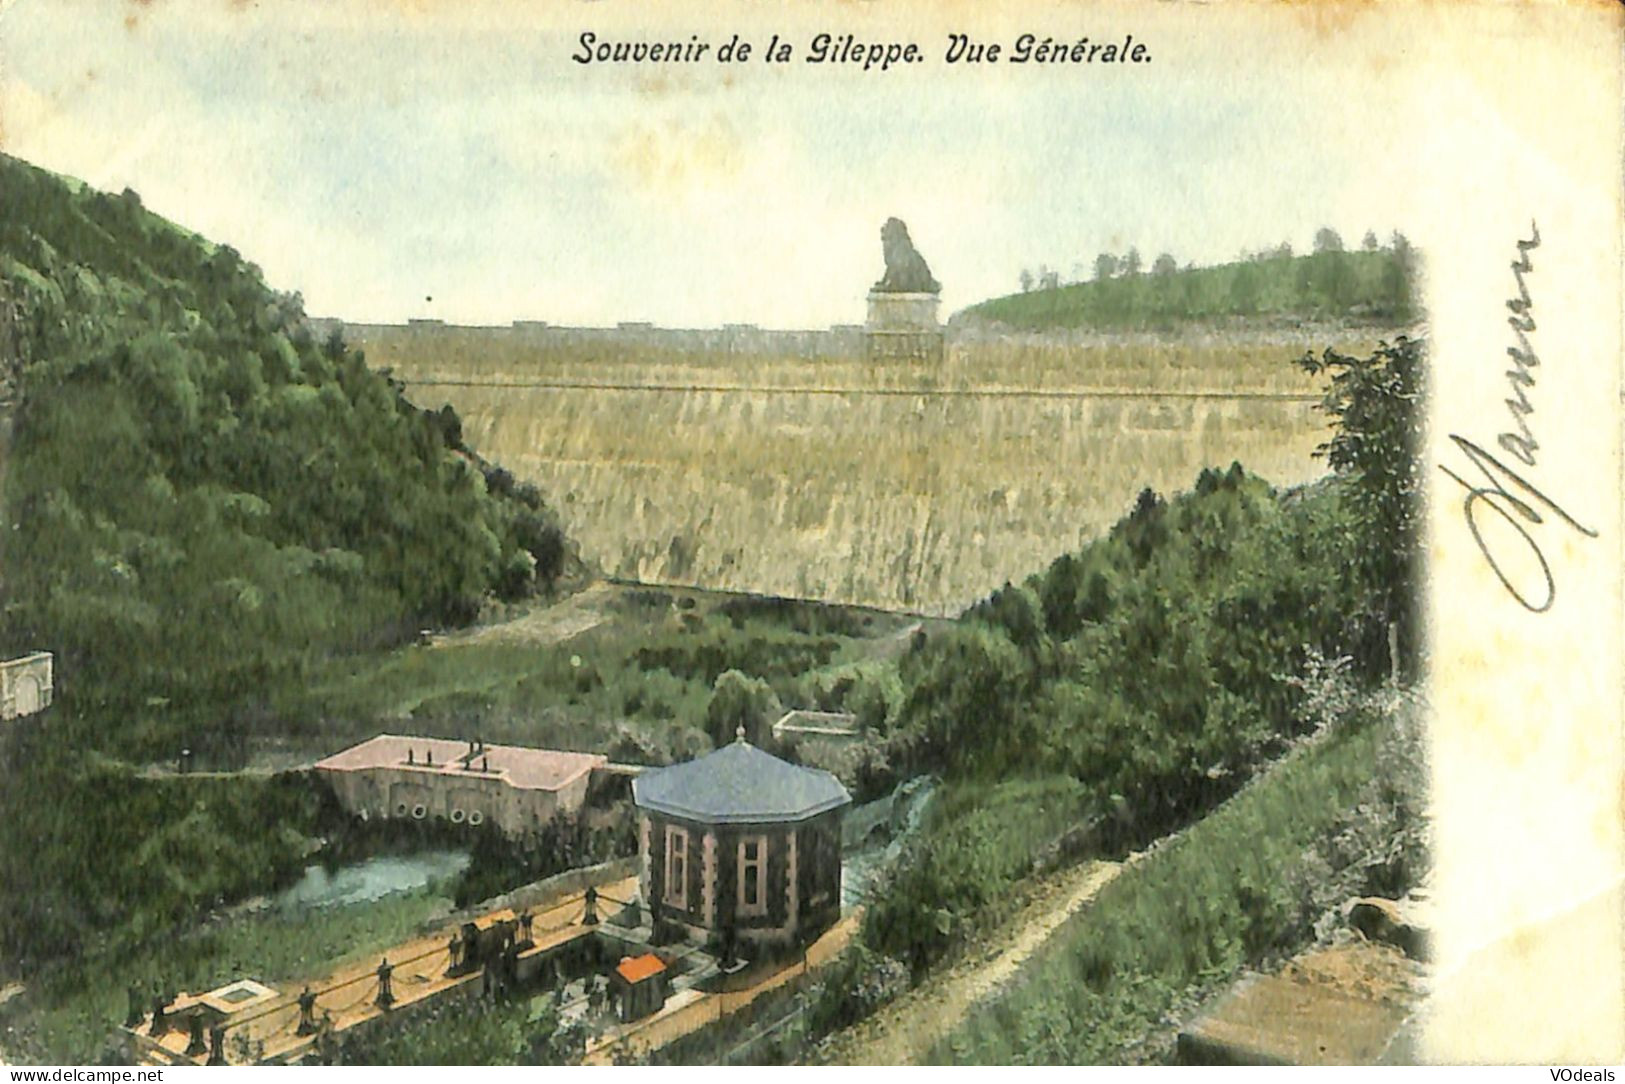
column 195, row 1043
column 307, row 1013
column 386, row 996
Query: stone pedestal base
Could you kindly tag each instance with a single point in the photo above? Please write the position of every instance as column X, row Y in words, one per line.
column 903, row 327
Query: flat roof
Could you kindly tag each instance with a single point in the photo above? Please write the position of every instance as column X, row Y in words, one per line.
column 516, row 765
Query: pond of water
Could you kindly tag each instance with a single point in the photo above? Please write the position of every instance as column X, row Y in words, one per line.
column 374, row 878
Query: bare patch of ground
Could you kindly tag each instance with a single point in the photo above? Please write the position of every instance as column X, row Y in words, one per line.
column 544, row 625
column 1336, row 1005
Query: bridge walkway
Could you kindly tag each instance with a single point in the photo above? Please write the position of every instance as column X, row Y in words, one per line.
column 268, row 1033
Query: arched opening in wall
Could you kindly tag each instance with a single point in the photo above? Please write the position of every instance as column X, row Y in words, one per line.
column 476, row 817
column 457, row 816
column 28, row 697
column 400, row 809
column 419, row 811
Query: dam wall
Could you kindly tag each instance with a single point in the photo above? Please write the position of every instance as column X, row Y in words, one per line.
column 785, row 463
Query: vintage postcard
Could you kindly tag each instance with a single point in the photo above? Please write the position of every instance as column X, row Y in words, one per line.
column 826, row 534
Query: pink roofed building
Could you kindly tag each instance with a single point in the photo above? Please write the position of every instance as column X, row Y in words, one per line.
column 515, row 788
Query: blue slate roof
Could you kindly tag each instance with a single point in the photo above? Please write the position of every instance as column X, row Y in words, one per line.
column 739, row 784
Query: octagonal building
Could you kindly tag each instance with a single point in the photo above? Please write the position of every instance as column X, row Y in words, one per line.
column 742, row 845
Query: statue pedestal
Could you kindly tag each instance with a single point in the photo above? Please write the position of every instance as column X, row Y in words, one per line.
column 902, row 312
column 903, row 325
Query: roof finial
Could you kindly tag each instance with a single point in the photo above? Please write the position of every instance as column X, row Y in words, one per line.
column 739, row 734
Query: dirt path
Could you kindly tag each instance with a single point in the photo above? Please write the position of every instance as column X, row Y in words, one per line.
column 567, row 618
column 170, row 770
column 903, row 1032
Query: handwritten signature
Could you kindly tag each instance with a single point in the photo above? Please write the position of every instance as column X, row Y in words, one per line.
column 1504, row 492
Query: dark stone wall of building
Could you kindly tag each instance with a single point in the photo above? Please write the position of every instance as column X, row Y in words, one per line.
column 693, row 911
column 818, row 876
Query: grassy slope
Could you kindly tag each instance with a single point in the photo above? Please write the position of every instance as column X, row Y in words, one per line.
column 1241, row 886
column 204, row 507
column 71, row 1020
column 960, row 873
column 1363, row 287
column 202, row 499
column 636, row 685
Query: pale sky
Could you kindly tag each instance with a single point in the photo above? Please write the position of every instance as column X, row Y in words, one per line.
column 375, row 156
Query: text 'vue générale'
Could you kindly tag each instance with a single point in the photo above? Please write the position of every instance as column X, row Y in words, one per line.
column 850, row 51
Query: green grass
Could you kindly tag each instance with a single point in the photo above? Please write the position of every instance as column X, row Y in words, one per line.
column 99, row 859
column 958, row 875
column 636, row 686
column 397, row 683
column 102, row 863
column 1241, row 886
column 1366, row 287
column 70, row 1017
column 187, row 458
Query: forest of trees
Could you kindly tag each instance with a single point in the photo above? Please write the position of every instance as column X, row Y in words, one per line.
column 1162, row 666
column 202, row 499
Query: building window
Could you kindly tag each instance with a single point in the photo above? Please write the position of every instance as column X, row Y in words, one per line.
column 753, row 875
column 677, row 867
column 825, row 864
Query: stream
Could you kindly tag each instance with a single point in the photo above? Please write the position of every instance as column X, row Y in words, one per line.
column 862, row 865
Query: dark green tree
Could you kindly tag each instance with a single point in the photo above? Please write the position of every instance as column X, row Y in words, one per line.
column 965, row 702
column 1244, row 290
column 1328, row 240
column 740, row 701
column 1375, row 403
column 1399, row 279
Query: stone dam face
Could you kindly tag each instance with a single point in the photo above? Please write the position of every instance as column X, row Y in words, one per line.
column 784, row 463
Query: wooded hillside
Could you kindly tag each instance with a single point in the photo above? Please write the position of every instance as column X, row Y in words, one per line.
column 200, row 498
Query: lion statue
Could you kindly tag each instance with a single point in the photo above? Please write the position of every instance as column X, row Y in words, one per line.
column 906, row 271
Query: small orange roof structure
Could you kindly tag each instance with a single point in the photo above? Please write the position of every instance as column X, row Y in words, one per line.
column 634, row 969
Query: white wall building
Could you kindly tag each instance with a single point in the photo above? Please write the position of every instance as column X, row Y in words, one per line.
column 25, row 685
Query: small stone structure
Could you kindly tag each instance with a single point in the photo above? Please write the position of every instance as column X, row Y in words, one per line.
column 174, row 1032
column 831, row 740
column 742, row 847
column 638, row 983
column 25, row 685
column 829, row 724
column 517, row 789
column 903, row 319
